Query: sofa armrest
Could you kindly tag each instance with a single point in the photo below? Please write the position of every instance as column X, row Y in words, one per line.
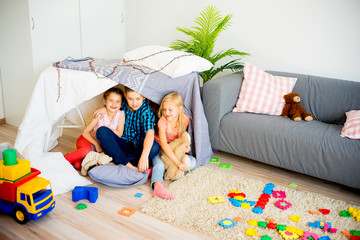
column 219, row 98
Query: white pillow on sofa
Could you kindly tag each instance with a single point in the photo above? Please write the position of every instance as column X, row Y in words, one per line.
column 262, row 92
column 173, row 63
column 351, row 127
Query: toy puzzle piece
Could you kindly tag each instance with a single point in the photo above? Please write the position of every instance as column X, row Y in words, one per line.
column 90, row 193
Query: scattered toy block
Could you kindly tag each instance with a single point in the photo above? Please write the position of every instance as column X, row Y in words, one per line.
column 215, row 160
column 245, row 205
column 127, row 212
column 293, row 185
column 90, row 193
column 215, row 199
column 81, row 206
column 355, row 213
column 262, row 224
column 253, row 222
column 295, row 218
column 251, row 232
column 324, row 211
column 280, row 227
column 225, row 166
column 314, row 212
column 227, row 223
column 345, row 213
column 282, row 204
column 265, row 237
column 237, row 219
column 288, row 235
column 346, row 233
column 279, row 194
column 138, row 195
column 271, row 225
column 270, row 220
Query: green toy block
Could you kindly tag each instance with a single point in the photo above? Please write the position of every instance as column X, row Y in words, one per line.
column 293, row 185
column 214, row 160
column 345, row 213
column 265, row 237
column 262, row 224
column 81, row 206
column 225, row 166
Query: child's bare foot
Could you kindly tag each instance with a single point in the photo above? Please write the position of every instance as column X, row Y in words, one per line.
column 160, row 191
column 131, row 166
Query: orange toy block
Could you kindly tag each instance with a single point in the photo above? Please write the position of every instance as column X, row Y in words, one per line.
column 314, row 212
column 127, row 212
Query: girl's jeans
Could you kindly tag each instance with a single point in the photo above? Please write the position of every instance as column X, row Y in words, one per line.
column 159, row 169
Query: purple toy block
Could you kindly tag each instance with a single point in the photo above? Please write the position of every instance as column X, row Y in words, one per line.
column 90, row 193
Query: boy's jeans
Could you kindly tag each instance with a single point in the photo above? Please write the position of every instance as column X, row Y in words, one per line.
column 120, row 150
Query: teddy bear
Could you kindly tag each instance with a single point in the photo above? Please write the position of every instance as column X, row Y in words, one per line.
column 93, row 158
column 293, row 109
column 180, row 147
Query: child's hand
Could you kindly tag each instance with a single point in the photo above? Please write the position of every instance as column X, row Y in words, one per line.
column 98, row 148
column 99, row 113
column 143, row 164
column 183, row 167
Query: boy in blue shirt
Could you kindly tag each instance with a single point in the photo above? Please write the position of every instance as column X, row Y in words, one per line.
column 136, row 146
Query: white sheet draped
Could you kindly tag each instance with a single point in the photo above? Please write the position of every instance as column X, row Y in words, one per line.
column 44, row 110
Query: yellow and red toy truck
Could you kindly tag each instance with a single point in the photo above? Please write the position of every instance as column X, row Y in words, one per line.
column 22, row 193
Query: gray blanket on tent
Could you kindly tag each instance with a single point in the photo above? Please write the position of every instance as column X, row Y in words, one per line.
column 155, row 86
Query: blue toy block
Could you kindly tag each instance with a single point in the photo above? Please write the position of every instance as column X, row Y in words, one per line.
column 139, row 195
column 90, row 193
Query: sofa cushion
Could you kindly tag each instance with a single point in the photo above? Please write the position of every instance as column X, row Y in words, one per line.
column 326, row 98
column 313, row 148
column 262, row 92
column 351, row 127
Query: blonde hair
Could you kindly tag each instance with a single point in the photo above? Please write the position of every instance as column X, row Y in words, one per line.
column 175, row 98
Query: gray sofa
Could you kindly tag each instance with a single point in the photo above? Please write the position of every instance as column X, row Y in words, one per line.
column 313, row 148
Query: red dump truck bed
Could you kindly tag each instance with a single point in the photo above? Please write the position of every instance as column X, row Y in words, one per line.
column 8, row 189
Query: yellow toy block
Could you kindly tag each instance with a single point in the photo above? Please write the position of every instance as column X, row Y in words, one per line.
column 215, row 199
column 14, row 172
column 355, row 213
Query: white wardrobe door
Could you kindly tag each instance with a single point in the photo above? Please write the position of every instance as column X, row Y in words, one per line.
column 55, row 28
column 102, row 28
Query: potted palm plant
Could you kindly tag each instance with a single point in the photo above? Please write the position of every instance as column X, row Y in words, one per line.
column 202, row 39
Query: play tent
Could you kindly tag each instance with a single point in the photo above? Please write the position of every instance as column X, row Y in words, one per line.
column 68, row 83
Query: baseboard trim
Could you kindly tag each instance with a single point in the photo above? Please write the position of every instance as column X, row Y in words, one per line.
column 2, row 121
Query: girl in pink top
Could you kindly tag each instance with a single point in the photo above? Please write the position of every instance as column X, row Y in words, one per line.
column 113, row 119
column 172, row 123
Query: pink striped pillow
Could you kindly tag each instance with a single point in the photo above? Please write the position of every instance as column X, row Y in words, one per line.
column 262, row 92
column 351, row 127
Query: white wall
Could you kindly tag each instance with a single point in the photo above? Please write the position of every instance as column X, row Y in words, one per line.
column 2, row 113
column 15, row 58
column 311, row 37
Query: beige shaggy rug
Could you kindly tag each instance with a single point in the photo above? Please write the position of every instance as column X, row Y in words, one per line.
column 192, row 209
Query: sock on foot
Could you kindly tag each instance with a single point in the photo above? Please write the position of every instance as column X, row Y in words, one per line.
column 77, row 165
column 160, row 191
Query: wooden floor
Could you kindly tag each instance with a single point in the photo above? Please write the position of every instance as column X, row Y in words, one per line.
column 101, row 220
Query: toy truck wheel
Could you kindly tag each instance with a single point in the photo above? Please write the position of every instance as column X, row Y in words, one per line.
column 20, row 215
